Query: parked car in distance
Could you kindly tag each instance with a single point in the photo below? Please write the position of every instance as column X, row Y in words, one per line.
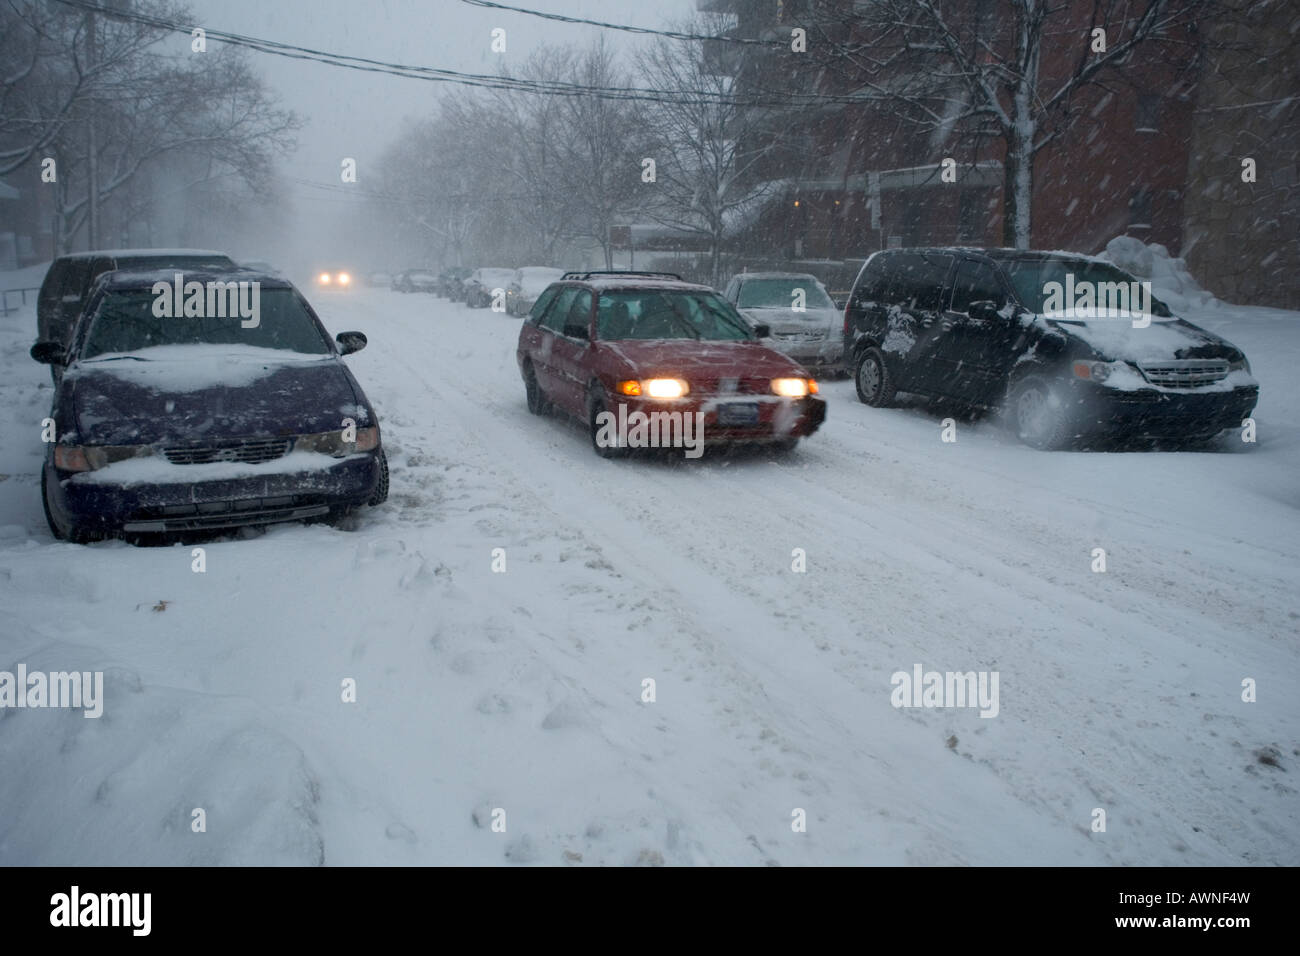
column 416, row 280
column 979, row 326
column 69, row 280
column 190, row 424
column 804, row 321
column 528, row 283
column 451, row 283
column 632, row 342
column 482, row 284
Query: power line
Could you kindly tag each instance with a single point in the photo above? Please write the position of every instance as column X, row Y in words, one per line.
column 624, row 27
column 479, row 80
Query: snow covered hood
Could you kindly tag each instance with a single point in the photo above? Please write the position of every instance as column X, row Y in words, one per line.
column 1117, row 340
column 196, row 392
column 788, row 320
column 687, row 357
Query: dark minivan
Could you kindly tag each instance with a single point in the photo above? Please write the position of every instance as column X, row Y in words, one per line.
column 985, row 328
column 70, row 278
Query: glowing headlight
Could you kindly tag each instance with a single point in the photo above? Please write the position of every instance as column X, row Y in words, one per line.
column 793, row 387
column 664, row 387
column 344, row 278
column 324, row 278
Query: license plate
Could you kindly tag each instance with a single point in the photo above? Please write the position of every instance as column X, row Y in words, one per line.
column 738, row 413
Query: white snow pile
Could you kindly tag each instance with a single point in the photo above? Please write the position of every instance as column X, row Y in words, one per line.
column 1171, row 281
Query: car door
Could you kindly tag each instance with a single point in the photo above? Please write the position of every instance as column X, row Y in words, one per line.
column 913, row 296
column 550, row 327
column 570, row 354
column 976, row 347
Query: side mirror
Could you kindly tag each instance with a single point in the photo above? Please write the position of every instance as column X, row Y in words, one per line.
column 350, row 342
column 763, row 331
column 49, row 353
column 985, row 309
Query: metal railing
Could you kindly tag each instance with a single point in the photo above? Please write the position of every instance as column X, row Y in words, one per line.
column 6, row 308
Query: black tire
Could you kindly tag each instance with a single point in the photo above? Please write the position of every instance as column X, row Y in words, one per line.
column 872, row 379
column 538, row 403
column 1038, row 414
column 381, row 489
column 74, row 534
column 596, row 405
column 785, row 446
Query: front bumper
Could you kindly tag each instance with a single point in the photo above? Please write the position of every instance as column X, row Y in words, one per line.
column 227, row 503
column 778, row 418
column 1162, row 413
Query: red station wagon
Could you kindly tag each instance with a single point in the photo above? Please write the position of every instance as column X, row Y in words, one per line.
column 628, row 342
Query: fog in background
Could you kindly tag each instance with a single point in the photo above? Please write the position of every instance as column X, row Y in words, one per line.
column 350, row 113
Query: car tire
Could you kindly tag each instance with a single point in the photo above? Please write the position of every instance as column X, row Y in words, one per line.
column 381, row 489
column 1038, row 415
column 784, row 446
column 596, row 405
column 74, row 534
column 538, row 404
column 872, row 379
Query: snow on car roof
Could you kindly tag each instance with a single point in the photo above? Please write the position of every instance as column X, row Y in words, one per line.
column 605, row 283
column 142, row 278
column 140, row 253
column 776, row 275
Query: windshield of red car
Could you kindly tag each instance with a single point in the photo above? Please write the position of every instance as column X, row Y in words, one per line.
column 668, row 314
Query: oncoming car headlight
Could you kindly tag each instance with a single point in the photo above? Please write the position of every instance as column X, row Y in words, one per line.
column 332, row 443
column 794, row 387
column 654, row 387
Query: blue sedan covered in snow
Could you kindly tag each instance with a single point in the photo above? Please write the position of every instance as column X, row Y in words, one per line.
column 204, row 401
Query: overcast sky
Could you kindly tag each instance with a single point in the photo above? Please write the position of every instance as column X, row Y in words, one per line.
column 351, row 113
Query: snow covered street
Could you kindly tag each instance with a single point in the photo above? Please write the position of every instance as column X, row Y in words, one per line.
column 479, row 692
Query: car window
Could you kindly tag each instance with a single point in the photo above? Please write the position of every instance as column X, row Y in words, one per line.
column 871, row 284
column 579, row 316
column 124, row 322
column 554, row 317
column 543, row 303
column 975, row 282
column 1030, row 277
column 669, row 314
column 779, row 294
column 916, row 280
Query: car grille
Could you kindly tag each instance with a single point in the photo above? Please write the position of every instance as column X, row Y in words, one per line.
column 800, row 336
column 1185, row 373
column 249, row 451
column 227, row 514
column 731, row 386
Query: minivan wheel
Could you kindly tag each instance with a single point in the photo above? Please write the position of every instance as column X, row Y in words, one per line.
column 875, row 386
column 1038, row 414
column 537, row 402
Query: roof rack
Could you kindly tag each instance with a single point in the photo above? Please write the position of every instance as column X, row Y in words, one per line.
column 620, row 272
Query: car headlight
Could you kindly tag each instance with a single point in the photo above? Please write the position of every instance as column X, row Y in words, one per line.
column 1239, row 365
column 94, row 457
column 344, row 278
column 324, row 278
column 1092, row 371
column 664, row 387
column 794, row 387
column 332, row 443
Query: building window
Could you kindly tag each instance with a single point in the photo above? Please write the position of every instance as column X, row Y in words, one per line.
column 968, row 211
column 1148, row 113
column 1139, row 209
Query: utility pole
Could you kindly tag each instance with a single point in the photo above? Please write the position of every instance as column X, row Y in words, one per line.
column 92, row 144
